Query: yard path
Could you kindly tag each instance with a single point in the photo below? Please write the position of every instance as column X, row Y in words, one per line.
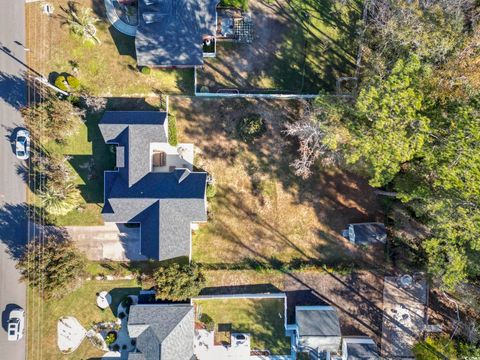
column 109, row 241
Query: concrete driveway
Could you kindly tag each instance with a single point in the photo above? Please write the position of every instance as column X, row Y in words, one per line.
column 107, row 242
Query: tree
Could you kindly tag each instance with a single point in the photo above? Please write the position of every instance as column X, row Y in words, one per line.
column 53, row 119
column 177, row 282
column 81, row 22
column 51, row 264
column 389, row 128
column 59, row 199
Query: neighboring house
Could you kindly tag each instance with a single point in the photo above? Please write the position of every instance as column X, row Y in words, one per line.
column 359, row 348
column 171, row 33
column 162, row 332
column 366, row 233
column 154, row 184
column 317, row 328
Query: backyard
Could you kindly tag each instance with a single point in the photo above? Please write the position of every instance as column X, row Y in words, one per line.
column 263, row 319
column 81, row 303
column 105, row 69
column 298, row 47
column 263, row 213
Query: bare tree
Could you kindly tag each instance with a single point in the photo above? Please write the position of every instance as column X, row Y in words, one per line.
column 311, row 135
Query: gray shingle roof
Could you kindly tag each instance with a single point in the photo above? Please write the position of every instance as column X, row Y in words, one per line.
column 170, row 32
column 369, row 233
column 362, row 351
column 163, row 332
column 165, row 204
column 317, row 321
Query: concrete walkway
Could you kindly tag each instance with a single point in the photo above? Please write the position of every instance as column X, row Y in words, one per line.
column 117, row 23
column 107, row 242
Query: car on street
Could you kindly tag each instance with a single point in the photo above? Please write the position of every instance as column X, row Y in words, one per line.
column 16, row 324
column 22, row 144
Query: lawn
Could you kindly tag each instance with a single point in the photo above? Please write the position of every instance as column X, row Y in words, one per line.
column 81, row 303
column 299, row 46
column 263, row 212
column 108, row 69
column 262, row 318
column 89, row 157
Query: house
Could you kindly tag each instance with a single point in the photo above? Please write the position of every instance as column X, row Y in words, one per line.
column 359, row 348
column 317, row 328
column 154, row 184
column 171, row 33
column 162, row 332
column 366, row 233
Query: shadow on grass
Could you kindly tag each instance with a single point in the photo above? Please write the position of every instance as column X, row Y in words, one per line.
column 119, row 294
column 240, row 289
column 125, row 44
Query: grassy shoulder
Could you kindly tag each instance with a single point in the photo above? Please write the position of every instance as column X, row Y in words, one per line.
column 263, row 319
column 105, row 69
column 42, row 317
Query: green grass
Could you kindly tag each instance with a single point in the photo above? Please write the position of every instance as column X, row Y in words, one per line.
column 262, row 318
column 106, row 69
column 42, row 317
column 89, row 158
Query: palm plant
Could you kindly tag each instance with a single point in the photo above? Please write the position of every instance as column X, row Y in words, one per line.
column 81, row 22
column 58, row 200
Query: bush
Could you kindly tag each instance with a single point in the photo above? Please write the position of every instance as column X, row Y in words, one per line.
column 61, row 83
column 116, row 347
column 172, row 130
column 73, row 82
column 207, row 321
column 146, row 70
column 211, row 191
column 177, row 282
column 111, row 338
column 441, row 347
column 251, row 127
column 121, row 315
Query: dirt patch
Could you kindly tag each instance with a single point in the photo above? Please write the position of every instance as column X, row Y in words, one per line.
column 298, row 47
column 262, row 211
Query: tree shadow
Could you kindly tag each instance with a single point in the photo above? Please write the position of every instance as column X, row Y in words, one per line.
column 240, row 289
column 119, row 294
column 13, row 90
column 14, row 228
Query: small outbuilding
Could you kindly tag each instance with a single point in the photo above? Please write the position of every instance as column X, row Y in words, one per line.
column 359, row 348
column 366, row 233
column 317, row 328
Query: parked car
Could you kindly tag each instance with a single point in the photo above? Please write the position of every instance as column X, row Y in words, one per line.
column 16, row 324
column 22, row 144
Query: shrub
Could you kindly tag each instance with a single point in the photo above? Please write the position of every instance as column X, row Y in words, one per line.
column 177, row 282
column 111, row 338
column 441, row 347
column 207, row 321
column 146, row 70
column 73, row 82
column 61, row 83
column 121, row 315
column 211, row 191
column 251, row 127
column 116, row 347
column 74, row 99
column 124, row 347
column 172, row 130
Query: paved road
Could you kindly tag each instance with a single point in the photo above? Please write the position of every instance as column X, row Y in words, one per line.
column 13, row 219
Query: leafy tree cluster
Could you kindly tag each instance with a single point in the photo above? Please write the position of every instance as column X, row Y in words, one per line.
column 414, row 127
column 178, row 282
column 53, row 119
column 440, row 348
column 52, row 265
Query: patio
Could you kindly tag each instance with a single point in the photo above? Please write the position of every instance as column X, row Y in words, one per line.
column 205, row 347
column 166, row 158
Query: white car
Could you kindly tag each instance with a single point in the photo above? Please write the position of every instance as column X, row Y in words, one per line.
column 16, row 324
column 22, row 144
